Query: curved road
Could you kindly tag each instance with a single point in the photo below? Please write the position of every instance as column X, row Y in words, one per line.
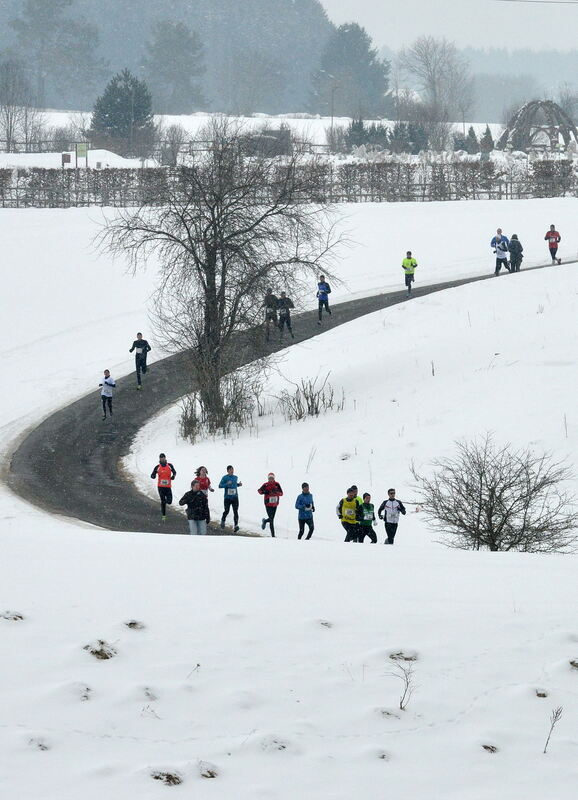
column 71, row 463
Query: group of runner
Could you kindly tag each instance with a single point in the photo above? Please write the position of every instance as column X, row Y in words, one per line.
column 509, row 252
column 278, row 309
column 356, row 514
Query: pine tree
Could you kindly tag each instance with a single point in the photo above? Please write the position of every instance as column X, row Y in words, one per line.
column 460, row 141
column 487, row 141
column 472, row 144
column 122, row 115
column 352, row 80
column 173, row 64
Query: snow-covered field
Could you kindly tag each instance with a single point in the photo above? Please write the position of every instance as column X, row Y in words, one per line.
column 266, row 664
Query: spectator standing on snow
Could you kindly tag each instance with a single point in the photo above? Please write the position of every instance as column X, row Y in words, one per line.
column 367, row 519
column 107, row 384
column 230, row 483
column 271, row 304
column 499, row 236
column 197, row 509
column 409, row 265
column 284, row 305
column 349, row 513
column 516, row 250
column 204, row 480
column 390, row 510
column 165, row 473
column 501, row 251
column 271, row 491
column 553, row 238
column 141, row 347
column 306, row 508
column 323, row 292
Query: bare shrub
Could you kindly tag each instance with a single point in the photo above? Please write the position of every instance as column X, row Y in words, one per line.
column 173, row 141
column 498, row 498
column 555, row 717
column 310, row 398
column 404, row 671
column 135, row 625
column 13, row 616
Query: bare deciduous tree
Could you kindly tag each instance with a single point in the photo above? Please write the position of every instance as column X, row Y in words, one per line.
column 498, row 498
column 442, row 77
column 16, row 112
column 231, row 227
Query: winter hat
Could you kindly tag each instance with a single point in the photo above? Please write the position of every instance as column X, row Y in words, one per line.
column 514, row 236
column 162, row 455
column 271, row 475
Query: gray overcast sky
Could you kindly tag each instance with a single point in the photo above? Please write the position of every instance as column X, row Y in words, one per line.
column 480, row 23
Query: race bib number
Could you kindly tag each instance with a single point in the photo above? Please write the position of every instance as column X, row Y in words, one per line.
column 350, row 513
column 273, row 501
column 231, row 492
column 164, row 482
column 308, row 508
column 368, row 515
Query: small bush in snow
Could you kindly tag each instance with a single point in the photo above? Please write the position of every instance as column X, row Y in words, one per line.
column 135, row 625
column 497, row 498
column 100, row 649
column 207, row 770
column 168, row 778
column 309, row 399
column 13, row 616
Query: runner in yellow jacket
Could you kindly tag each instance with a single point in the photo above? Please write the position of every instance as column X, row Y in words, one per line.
column 408, row 265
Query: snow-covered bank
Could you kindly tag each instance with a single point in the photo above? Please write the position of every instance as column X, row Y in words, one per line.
column 270, row 660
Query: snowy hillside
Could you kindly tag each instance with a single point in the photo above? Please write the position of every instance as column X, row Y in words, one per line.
column 262, row 671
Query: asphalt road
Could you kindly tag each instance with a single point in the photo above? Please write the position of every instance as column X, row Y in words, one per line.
column 70, row 464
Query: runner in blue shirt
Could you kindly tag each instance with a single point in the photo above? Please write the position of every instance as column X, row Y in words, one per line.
column 230, row 484
column 323, row 292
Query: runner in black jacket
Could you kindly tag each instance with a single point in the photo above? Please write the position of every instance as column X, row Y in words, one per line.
column 141, row 348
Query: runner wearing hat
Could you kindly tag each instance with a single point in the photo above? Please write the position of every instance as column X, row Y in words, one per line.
column 271, row 491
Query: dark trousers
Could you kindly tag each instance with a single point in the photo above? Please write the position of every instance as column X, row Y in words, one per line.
column 390, row 529
column 352, row 531
column 553, row 251
column 140, row 363
column 409, row 279
column 231, row 502
column 166, row 495
column 501, row 262
column 310, row 528
column 271, row 511
column 367, row 530
column 285, row 319
column 106, row 401
column 515, row 263
column 324, row 304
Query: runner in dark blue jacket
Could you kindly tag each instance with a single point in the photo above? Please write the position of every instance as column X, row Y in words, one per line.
column 306, row 507
column 230, row 483
column 323, row 292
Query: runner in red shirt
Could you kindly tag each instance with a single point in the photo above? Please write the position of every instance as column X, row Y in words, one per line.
column 553, row 238
column 272, row 491
column 165, row 473
column 204, row 480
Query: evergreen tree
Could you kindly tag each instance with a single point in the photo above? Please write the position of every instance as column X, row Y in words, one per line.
column 352, row 80
column 173, row 64
column 61, row 52
column 472, row 144
column 487, row 141
column 460, row 141
column 122, row 115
